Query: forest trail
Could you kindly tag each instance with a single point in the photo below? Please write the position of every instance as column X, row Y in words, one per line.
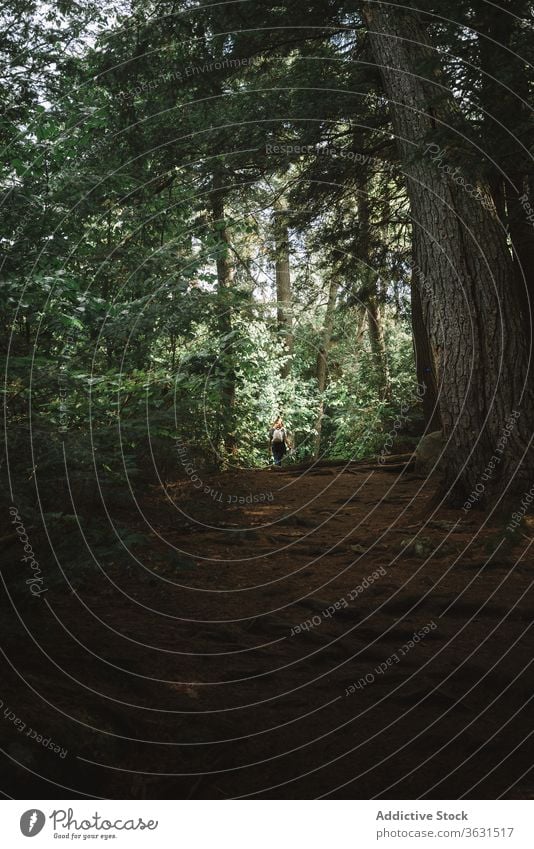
column 216, row 690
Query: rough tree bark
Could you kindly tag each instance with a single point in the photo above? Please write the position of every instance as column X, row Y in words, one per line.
column 283, row 284
column 225, row 277
column 378, row 344
column 373, row 300
column 465, row 278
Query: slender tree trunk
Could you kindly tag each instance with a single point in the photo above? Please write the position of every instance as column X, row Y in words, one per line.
column 225, row 277
column 322, row 360
column 424, row 363
column 378, row 345
column 518, row 196
column 465, row 278
column 283, row 285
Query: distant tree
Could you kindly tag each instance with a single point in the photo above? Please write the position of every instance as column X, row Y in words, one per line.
column 475, row 323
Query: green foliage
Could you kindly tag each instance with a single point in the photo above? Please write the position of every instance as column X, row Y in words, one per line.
column 121, row 342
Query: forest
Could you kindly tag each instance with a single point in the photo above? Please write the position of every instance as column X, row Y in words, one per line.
column 214, row 217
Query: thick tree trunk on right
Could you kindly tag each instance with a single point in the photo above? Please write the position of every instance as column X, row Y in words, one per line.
column 465, row 278
column 322, row 360
column 283, row 285
column 518, row 195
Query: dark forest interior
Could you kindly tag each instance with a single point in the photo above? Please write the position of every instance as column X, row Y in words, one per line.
column 214, row 216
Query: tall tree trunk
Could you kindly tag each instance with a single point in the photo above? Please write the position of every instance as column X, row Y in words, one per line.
column 225, row 277
column 283, row 285
column 519, row 194
column 465, row 277
column 322, row 360
column 424, row 364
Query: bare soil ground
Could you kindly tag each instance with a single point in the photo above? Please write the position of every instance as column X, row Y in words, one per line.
column 188, row 674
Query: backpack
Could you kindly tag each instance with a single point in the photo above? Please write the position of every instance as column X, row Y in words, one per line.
column 278, row 435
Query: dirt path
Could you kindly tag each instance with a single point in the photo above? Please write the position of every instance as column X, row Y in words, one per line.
column 263, row 645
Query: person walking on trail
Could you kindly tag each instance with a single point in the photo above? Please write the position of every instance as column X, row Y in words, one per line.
column 278, row 441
